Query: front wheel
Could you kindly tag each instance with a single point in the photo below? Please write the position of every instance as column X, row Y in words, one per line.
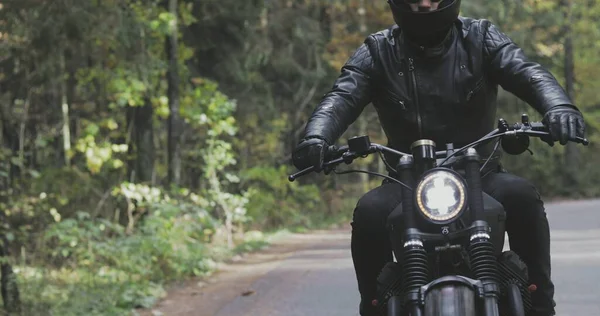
column 515, row 301
column 450, row 296
column 394, row 306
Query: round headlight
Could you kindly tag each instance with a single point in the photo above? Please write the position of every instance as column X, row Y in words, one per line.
column 441, row 196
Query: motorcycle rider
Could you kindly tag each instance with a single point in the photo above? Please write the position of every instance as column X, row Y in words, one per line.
column 435, row 75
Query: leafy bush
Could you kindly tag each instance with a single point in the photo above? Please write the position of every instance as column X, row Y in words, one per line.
column 102, row 264
column 276, row 202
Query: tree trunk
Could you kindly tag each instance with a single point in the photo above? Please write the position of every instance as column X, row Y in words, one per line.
column 8, row 282
column 142, row 167
column 175, row 125
column 362, row 130
column 22, row 129
column 66, row 130
column 571, row 150
column 363, row 121
column 141, row 131
column 381, row 167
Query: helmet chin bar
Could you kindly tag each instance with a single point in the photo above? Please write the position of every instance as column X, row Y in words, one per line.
column 419, row 25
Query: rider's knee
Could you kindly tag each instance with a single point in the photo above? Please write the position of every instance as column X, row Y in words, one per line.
column 520, row 194
column 523, row 192
column 365, row 213
column 374, row 207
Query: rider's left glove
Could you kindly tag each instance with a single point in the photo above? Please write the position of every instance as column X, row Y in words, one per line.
column 564, row 123
column 310, row 152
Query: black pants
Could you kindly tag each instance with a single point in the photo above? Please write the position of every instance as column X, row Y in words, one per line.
column 526, row 225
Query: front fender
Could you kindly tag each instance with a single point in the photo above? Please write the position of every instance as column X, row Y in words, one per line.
column 450, row 296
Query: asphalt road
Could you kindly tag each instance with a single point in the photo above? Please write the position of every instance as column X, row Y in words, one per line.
column 319, row 280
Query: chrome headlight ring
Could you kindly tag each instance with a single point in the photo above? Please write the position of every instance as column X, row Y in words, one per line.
column 441, row 196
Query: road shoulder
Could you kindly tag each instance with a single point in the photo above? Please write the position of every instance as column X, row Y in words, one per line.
column 232, row 279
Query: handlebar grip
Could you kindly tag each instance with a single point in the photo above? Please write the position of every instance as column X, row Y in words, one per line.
column 540, row 127
column 540, row 131
column 300, row 173
column 334, row 152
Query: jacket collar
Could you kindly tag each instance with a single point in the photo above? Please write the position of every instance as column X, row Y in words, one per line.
column 431, row 52
column 401, row 45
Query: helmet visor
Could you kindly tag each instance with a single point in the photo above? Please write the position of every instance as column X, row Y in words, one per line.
column 425, row 18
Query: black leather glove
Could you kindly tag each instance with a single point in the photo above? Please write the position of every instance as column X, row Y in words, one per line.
column 564, row 123
column 310, row 152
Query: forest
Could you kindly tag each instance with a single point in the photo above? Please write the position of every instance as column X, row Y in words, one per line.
column 142, row 141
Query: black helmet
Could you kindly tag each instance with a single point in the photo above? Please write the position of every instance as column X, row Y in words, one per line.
column 423, row 25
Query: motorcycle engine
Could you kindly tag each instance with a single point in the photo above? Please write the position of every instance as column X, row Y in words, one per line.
column 389, row 283
column 512, row 270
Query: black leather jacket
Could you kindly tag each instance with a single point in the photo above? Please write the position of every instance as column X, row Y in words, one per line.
column 446, row 94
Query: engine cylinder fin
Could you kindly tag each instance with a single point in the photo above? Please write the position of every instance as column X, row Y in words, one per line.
column 511, row 270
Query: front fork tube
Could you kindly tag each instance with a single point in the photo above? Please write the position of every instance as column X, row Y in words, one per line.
column 415, row 268
column 394, row 306
column 481, row 250
column 485, row 267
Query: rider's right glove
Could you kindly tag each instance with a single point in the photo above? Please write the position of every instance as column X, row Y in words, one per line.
column 564, row 123
column 310, row 152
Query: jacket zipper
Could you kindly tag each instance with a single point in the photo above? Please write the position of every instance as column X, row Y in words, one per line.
column 402, row 106
column 411, row 69
column 396, row 100
column 477, row 87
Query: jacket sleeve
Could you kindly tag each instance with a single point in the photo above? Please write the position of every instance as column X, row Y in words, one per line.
column 342, row 105
column 528, row 80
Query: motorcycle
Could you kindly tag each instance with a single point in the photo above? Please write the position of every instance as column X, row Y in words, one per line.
column 447, row 235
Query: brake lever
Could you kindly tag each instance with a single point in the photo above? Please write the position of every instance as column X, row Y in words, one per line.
column 327, row 168
column 582, row 140
column 300, row 173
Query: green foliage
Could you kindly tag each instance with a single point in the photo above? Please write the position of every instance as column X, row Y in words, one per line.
column 97, row 154
column 205, row 106
column 84, row 102
column 129, row 267
column 276, row 202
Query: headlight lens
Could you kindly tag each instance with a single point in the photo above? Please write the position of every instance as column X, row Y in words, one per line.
column 441, row 196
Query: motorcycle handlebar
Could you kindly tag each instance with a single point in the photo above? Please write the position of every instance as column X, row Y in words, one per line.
column 337, row 155
column 539, row 130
